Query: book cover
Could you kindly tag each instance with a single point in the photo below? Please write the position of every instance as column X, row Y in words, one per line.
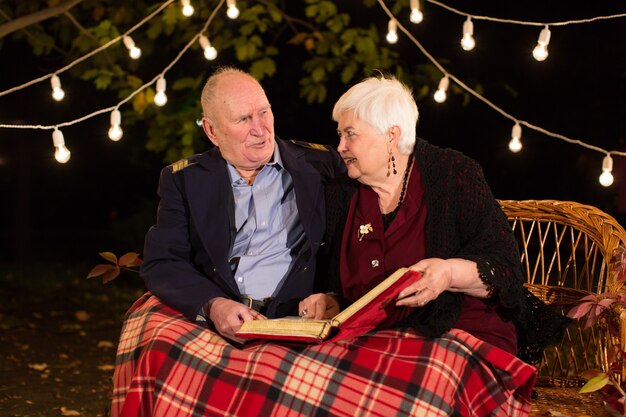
column 372, row 309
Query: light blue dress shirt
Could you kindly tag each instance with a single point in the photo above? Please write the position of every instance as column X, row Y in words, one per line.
column 269, row 232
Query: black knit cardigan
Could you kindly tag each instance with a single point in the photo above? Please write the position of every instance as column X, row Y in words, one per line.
column 464, row 220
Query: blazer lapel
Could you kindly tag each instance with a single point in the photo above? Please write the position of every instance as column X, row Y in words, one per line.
column 307, row 186
column 212, row 210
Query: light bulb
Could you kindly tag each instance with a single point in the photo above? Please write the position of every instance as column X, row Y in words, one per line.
column 133, row 50
column 416, row 14
column 115, row 132
column 210, row 52
column 468, row 43
column 57, row 91
column 440, row 95
column 187, row 7
column 515, row 145
column 392, row 32
column 61, row 153
column 232, row 11
column 160, row 98
column 540, row 53
column 606, row 178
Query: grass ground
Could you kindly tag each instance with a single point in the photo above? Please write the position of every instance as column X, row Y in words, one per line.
column 58, row 335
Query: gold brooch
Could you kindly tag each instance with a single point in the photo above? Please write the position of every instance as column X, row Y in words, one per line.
column 363, row 230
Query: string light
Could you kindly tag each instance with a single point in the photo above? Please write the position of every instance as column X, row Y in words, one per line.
column 232, row 11
column 467, row 42
column 133, row 50
column 115, row 132
column 392, row 31
column 441, row 95
column 160, row 98
column 166, row 3
column 540, row 53
column 210, row 52
column 187, row 8
column 484, row 99
column 515, row 145
column 416, row 14
column 606, row 178
column 61, row 153
column 57, row 91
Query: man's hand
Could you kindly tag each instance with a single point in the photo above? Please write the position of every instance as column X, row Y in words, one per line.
column 228, row 315
column 319, row 306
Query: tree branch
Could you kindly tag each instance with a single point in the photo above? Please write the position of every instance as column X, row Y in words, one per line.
column 33, row 18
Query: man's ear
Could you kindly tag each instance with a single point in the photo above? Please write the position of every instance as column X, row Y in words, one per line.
column 209, row 130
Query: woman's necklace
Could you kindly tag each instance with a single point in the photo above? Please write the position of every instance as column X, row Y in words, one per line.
column 388, row 217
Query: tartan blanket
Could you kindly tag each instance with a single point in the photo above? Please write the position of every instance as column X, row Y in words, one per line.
column 167, row 366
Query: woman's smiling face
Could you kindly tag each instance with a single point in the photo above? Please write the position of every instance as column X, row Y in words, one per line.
column 364, row 151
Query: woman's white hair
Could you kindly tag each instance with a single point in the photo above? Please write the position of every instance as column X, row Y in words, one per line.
column 382, row 103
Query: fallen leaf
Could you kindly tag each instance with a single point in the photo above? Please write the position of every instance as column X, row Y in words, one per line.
column 106, row 367
column 67, row 412
column 82, row 315
column 557, row 414
column 105, row 344
column 38, row 366
column 37, row 315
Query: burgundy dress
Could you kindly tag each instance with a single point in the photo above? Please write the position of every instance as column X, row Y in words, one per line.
column 367, row 258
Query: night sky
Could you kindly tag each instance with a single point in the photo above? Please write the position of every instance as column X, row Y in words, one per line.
column 105, row 197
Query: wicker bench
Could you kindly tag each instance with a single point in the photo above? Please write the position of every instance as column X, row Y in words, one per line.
column 566, row 248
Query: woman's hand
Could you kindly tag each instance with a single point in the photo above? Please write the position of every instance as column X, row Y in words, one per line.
column 319, row 306
column 439, row 275
column 435, row 278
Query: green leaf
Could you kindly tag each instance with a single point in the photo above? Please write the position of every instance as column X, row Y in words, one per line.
column 263, row 67
column 595, row 383
column 185, row 83
column 275, row 13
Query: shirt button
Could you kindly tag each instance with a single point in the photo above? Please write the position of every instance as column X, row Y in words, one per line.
column 239, row 279
column 262, row 223
column 375, row 263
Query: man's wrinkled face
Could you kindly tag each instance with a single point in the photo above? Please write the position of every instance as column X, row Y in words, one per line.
column 241, row 123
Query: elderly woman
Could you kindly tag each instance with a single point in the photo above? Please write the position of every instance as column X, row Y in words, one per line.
column 410, row 204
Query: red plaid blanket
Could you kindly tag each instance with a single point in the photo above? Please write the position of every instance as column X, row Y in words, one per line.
column 167, row 366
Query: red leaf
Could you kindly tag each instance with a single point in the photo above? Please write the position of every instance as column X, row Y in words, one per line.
column 109, row 256
column 130, row 259
column 580, row 310
column 607, row 302
column 111, row 275
column 100, row 269
column 592, row 318
column 590, row 297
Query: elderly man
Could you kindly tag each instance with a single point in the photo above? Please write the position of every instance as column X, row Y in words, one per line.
column 239, row 226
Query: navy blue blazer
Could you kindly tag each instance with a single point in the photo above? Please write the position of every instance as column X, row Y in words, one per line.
column 186, row 252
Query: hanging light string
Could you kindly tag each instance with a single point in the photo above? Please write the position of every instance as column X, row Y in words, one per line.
column 485, row 100
column 131, row 95
column 90, row 54
column 521, row 22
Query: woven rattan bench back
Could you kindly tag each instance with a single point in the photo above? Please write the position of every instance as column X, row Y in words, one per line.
column 566, row 248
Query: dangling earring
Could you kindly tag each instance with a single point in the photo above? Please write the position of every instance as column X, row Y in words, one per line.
column 391, row 164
